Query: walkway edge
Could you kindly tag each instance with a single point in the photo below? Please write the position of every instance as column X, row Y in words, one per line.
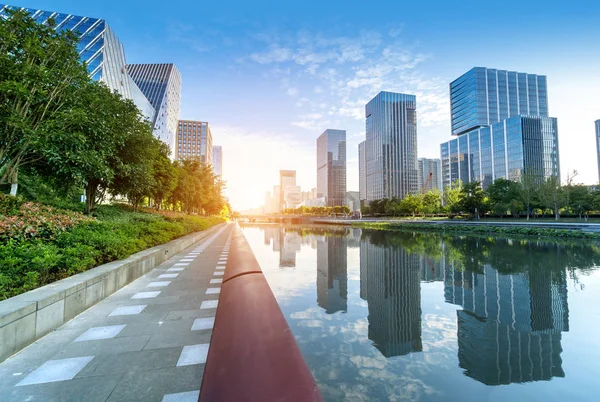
column 31, row 315
column 253, row 355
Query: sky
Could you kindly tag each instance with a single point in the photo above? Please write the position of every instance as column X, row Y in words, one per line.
column 271, row 76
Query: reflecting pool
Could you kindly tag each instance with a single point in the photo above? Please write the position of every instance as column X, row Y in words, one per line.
column 387, row 316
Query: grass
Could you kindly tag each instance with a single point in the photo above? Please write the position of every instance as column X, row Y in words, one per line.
column 28, row 262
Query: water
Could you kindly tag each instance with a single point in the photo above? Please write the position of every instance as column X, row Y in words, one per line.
column 383, row 316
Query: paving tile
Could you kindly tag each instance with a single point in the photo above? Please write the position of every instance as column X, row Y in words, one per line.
column 93, row 334
column 69, row 391
column 209, row 304
column 193, row 354
column 103, row 346
column 218, row 273
column 159, row 284
column 220, row 267
column 182, row 338
column 217, row 280
column 203, row 323
column 56, row 370
column 213, row 291
column 181, row 264
column 128, row 310
column 167, row 276
column 191, row 396
column 186, row 260
column 137, row 361
column 145, row 295
column 175, row 269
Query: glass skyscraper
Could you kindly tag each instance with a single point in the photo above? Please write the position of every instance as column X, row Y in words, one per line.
column 217, row 159
column 391, row 146
column 161, row 85
column 99, row 48
column 331, row 167
column 362, row 171
column 502, row 126
column 598, row 146
column 428, row 167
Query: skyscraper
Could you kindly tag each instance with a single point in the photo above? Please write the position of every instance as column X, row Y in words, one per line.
column 502, row 126
column 362, row 171
column 99, row 48
column 391, row 146
column 331, row 167
column 161, row 84
column 287, row 182
column 598, row 145
column 427, row 167
column 217, row 159
column 194, row 140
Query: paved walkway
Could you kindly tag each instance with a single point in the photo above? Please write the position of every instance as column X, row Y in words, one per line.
column 146, row 342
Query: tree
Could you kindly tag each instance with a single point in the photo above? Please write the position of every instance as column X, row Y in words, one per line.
column 505, row 195
column 40, row 79
column 411, row 204
column 552, row 195
column 580, row 199
column 432, row 202
column 452, row 197
column 530, row 184
column 472, row 198
column 165, row 176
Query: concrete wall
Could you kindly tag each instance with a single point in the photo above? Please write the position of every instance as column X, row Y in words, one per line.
column 29, row 316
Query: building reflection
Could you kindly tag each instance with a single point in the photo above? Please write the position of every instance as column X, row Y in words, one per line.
column 390, row 283
column 285, row 242
column 332, row 275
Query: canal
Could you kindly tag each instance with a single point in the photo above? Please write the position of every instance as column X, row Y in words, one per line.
column 389, row 316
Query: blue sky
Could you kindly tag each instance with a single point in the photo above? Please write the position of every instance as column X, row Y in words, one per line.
column 271, row 76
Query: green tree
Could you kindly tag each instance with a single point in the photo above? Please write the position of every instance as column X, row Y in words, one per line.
column 40, row 79
column 552, row 195
column 452, row 196
column 432, row 202
column 411, row 204
column 165, row 176
column 530, row 184
column 472, row 198
column 505, row 195
column 580, row 200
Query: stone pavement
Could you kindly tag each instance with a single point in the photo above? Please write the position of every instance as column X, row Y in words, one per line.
column 146, row 342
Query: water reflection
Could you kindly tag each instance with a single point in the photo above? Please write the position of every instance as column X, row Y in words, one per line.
column 332, row 275
column 286, row 242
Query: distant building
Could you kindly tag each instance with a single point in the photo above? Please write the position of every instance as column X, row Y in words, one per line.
column 391, row 146
column 502, row 126
column 287, row 178
column 275, row 200
column 217, row 160
column 268, row 202
column 99, row 48
column 194, row 140
column 353, row 201
column 161, row 84
column 598, row 146
column 427, row 167
column 331, row 167
column 362, row 171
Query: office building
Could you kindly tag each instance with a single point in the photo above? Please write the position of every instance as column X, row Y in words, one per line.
column 217, row 159
column 484, row 96
column 362, row 171
column 331, row 167
column 287, row 178
column 99, row 48
column 161, row 84
column 508, row 149
column 194, row 140
column 429, row 174
column 598, row 146
column 391, row 146
column 502, row 126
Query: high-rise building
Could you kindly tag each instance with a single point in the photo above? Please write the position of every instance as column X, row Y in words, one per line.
column 362, row 171
column 276, row 200
column 217, row 160
column 194, row 140
column 99, row 48
column 331, row 167
column 430, row 174
column 484, row 96
column 161, row 84
column 502, row 126
column 598, row 146
column 391, row 146
column 287, row 178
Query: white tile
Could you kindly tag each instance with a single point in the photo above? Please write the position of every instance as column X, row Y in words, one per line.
column 218, row 280
column 145, row 295
column 181, row 264
column 186, row 260
column 213, row 291
column 193, row 354
column 203, row 323
column 93, row 334
column 222, row 259
column 218, row 273
column 56, row 370
column 222, row 263
column 192, row 256
column 128, row 310
column 159, row 284
column 220, row 267
column 175, row 269
column 167, row 276
column 206, row 304
column 191, row 396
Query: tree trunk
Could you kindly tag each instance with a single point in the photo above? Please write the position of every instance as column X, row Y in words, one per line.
column 91, row 190
column 14, row 183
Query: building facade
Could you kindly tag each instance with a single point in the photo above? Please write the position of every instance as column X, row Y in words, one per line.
column 502, row 128
column 287, row 183
column 194, row 140
column 99, row 48
column 429, row 174
column 598, row 146
column 331, row 167
column 391, row 146
column 161, row 85
column 217, row 160
column 362, row 171
column 484, row 96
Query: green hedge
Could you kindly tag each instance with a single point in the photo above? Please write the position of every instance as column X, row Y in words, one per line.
column 115, row 234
